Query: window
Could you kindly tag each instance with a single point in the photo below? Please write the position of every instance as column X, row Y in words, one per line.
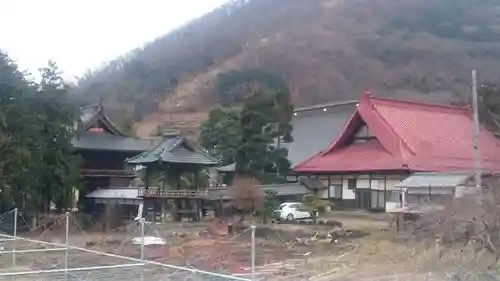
column 363, row 134
column 96, row 130
column 351, row 184
column 336, row 191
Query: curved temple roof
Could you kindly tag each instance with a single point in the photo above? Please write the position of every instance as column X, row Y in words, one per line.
column 112, row 139
column 175, row 148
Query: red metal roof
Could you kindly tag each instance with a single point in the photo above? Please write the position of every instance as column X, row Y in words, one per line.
column 409, row 136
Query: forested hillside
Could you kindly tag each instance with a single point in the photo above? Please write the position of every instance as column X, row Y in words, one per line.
column 322, row 50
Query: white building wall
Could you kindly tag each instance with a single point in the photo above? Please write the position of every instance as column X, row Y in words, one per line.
column 384, row 184
column 363, row 183
column 346, row 192
column 392, row 202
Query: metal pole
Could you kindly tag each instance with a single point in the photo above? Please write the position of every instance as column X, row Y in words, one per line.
column 15, row 236
column 253, row 252
column 475, row 109
column 278, row 146
column 67, row 245
column 142, row 238
column 142, row 247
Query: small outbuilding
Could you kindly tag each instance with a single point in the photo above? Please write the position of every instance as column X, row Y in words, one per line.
column 422, row 192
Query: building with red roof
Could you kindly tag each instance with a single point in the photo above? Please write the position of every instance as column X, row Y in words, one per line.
column 385, row 140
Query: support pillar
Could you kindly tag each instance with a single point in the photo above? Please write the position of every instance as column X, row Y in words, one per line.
column 164, row 210
column 178, row 207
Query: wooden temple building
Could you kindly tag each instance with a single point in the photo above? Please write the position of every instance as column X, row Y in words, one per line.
column 165, row 167
column 103, row 148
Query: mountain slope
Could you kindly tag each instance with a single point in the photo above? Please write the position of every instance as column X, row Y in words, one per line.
column 325, row 50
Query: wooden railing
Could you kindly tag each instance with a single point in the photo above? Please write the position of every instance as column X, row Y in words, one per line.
column 108, row 173
column 142, row 192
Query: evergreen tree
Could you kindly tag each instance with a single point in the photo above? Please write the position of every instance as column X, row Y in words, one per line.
column 61, row 164
column 21, row 147
column 250, row 136
column 489, row 107
column 220, row 133
column 265, row 120
column 36, row 126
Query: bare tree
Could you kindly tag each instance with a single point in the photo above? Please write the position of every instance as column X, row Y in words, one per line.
column 471, row 222
column 247, row 195
column 111, row 217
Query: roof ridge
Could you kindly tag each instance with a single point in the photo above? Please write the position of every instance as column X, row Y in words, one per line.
column 169, row 148
column 318, row 106
column 421, row 103
column 401, row 142
column 89, row 106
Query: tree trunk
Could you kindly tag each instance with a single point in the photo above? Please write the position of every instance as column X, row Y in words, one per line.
column 33, row 223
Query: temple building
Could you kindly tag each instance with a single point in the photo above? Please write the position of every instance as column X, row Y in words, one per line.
column 103, row 148
column 387, row 140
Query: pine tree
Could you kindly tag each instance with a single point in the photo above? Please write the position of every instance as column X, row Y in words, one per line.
column 220, row 133
column 250, row 135
column 37, row 165
column 61, row 164
column 265, row 120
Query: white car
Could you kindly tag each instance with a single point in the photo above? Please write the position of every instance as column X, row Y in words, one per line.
column 291, row 211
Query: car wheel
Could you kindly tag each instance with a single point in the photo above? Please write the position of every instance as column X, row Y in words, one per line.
column 289, row 217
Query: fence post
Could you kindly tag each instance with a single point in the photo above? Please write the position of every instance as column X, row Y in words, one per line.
column 66, row 251
column 14, row 241
column 142, row 247
column 253, row 252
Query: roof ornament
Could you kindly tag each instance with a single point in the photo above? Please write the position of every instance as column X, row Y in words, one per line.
column 365, row 97
column 100, row 103
column 171, row 134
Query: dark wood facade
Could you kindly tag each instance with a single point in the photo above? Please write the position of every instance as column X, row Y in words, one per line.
column 174, row 156
column 103, row 149
column 103, row 169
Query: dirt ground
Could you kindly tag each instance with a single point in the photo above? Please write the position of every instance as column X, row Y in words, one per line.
column 364, row 248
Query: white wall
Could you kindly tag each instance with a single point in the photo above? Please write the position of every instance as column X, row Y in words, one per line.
column 363, row 183
column 379, row 182
column 346, row 192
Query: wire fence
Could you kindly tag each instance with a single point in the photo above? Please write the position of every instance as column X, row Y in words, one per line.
column 62, row 250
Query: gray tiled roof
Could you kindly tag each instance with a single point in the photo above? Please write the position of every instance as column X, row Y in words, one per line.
column 227, row 168
column 106, row 141
column 425, row 180
column 313, row 183
column 314, row 129
column 281, row 190
column 106, row 193
column 88, row 112
column 175, row 149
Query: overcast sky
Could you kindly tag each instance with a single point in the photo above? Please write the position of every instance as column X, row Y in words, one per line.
column 82, row 34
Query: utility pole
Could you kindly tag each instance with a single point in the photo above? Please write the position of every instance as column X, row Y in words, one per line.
column 477, row 157
column 278, row 146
